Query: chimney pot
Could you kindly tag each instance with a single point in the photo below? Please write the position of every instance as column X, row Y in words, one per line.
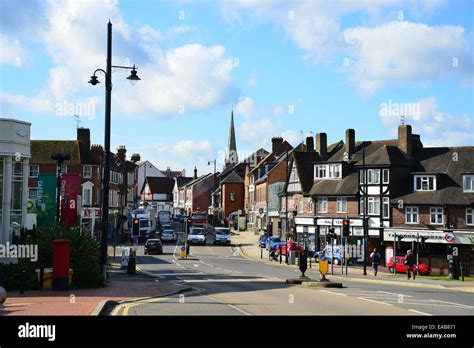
column 310, row 144
column 350, row 141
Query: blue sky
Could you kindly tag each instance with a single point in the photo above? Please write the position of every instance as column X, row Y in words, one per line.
column 284, row 66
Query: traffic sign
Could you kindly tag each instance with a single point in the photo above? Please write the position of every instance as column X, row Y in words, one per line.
column 323, row 265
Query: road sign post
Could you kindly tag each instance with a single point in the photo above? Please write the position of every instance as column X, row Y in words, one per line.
column 323, row 267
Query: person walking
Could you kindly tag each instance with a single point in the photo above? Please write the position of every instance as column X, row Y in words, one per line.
column 375, row 257
column 409, row 262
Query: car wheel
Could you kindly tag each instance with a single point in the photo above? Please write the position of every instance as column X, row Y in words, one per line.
column 391, row 270
column 336, row 261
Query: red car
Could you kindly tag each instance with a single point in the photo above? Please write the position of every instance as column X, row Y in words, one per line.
column 292, row 246
column 401, row 268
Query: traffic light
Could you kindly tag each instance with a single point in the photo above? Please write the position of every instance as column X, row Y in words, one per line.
column 345, row 228
column 136, row 226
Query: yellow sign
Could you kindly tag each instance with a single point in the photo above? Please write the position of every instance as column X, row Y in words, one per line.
column 323, row 265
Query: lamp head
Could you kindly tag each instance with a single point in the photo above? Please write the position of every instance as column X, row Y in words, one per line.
column 93, row 81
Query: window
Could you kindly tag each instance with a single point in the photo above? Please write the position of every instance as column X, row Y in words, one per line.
column 294, row 175
column 386, row 176
column 373, row 205
column 468, row 183
column 361, row 176
column 425, row 183
column 469, row 216
column 302, row 205
column 310, row 205
column 232, row 196
column 327, row 171
column 87, row 196
column 32, row 193
column 411, row 215
column 87, row 172
column 341, row 205
column 373, row 176
column 386, row 207
column 436, row 216
column 34, row 171
column 322, row 205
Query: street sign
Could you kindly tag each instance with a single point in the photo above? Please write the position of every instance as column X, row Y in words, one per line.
column 323, row 265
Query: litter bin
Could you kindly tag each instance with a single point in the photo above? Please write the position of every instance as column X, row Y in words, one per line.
column 125, row 257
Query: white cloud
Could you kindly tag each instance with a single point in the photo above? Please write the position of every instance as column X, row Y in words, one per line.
column 246, row 107
column 11, row 51
column 185, row 154
column 35, row 104
column 403, row 52
column 258, row 133
column 292, row 137
column 150, row 34
column 379, row 52
column 181, row 29
column 190, row 77
column 435, row 127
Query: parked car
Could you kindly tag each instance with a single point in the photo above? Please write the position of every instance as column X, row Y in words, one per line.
column 399, row 267
column 273, row 242
column 154, row 245
column 292, row 246
column 168, row 236
column 222, row 235
column 262, row 241
column 337, row 254
column 197, row 235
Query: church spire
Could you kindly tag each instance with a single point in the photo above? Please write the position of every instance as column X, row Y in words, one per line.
column 231, row 154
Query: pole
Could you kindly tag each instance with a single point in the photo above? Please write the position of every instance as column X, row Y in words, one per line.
column 348, row 258
column 58, row 191
column 365, row 208
column 332, row 256
column 417, row 251
column 394, row 253
column 106, row 179
column 343, row 260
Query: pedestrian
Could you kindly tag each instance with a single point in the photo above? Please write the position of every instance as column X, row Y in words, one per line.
column 409, row 262
column 375, row 257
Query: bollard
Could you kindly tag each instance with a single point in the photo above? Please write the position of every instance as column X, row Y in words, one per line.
column 462, row 271
column 41, row 280
column 261, row 252
column 22, row 281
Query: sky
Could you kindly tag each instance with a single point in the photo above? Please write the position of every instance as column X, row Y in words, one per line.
column 286, row 68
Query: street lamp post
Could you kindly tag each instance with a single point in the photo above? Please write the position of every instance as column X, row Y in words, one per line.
column 108, row 106
column 365, row 209
column 59, row 158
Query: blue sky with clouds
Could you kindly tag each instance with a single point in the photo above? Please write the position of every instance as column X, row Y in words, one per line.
column 285, row 66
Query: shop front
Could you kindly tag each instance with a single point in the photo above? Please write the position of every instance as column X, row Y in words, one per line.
column 89, row 218
column 305, row 232
column 432, row 246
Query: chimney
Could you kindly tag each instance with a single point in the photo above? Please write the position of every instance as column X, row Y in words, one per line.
column 84, row 137
column 277, row 148
column 135, row 157
column 310, row 144
column 121, row 151
column 350, row 141
column 195, row 173
column 405, row 139
column 321, row 144
column 168, row 172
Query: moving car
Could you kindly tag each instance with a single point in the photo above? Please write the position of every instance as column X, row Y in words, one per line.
column 168, row 235
column 166, row 227
column 222, row 235
column 274, row 242
column 399, row 267
column 197, row 235
column 153, row 245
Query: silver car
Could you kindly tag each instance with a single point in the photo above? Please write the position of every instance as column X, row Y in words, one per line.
column 168, row 236
column 197, row 235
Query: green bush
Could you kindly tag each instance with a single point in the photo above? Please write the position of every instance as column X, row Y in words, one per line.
column 11, row 276
column 84, row 255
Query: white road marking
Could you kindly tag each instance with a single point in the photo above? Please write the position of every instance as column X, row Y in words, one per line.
column 366, row 299
column 334, row 293
column 423, row 313
column 195, row 265
column 455, row 304
column 228, row 304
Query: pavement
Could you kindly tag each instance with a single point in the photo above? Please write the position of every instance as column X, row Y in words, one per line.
column 247, row 242
column 121, row 287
